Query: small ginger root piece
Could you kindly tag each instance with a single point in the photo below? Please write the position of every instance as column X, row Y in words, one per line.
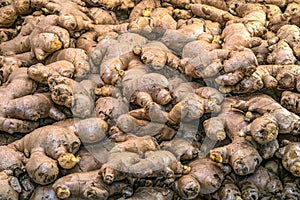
column 289, row 156
column 8, row 64
column 108, row 91
column 135, row 144
column 205, row 177
column 229, row 189
column 101, row 16
column 86, row 185
column 112, row 5
column 276, row 19
column 56, row 143
column 105, row 108
column 74, row 55
column 211, row 13
column 266, row 182
column 157, row 55
column 7, row 187
column 11, row 161
column 282, row 54
column 42, row 169
column 291, row 101
column 142, row 127
column 44, row 192
column 40, row 73
column 183, row 149
column 292, row 10
column 151, row 193
column 7, row 34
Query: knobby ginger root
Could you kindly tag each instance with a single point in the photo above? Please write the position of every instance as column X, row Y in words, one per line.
column 40, row 144
column 205, row 177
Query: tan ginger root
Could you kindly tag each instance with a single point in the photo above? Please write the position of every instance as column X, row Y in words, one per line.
column 44, row 147
column 101, row 16
column 42, row 38
column 154, row 163
column 8, row 64
column 282, row 54
column 205, row 177
column 135, row 144
column 40, row 73
column 151, row 193
column 183, row 149
column 113, row 56
column 86, row 185
column 7, row 184
column 112, row 5
column 229, row 190
column 289, row 157
column 270, row 76
column 152, row 24
column 105, row 109
column 236, row 37
column 74, row 55
column 211, row 13
column 189, row 105
column 253, row 15
column 276, row 19
column 290, row 34
column 291, row 101
column 79, row 96
column 11, row 161
column 292, row 11
column 263, row 181
column 44, row 192
column 288, row 122
column 188, row 31
column 157, row 55
column 18, row 85
column 7, row 34
column 34, row 106
column 11, row 9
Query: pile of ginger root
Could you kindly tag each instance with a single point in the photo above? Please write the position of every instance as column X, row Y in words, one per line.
column 149, row 99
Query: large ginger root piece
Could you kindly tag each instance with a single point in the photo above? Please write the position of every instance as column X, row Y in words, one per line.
column 290, row 159
column 127, row 164
column 183, row 149
column 290, row 34
column 40, row 73
column 205, row 177
column 157, row 55
column 18, row 85
column 74, row 55
column 270, row 76
column 44, row 147
column 188, row 31
column 135, row 144
column 112, row 5
column 241, row 154
column 288, row 122
column 41, row 40
column 192, row 102
column 79, row 96
column 85, row 185
column 229, row 190
column 291, row 101
column 113, row 56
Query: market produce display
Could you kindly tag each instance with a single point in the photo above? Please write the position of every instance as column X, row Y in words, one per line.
column 149, row 99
